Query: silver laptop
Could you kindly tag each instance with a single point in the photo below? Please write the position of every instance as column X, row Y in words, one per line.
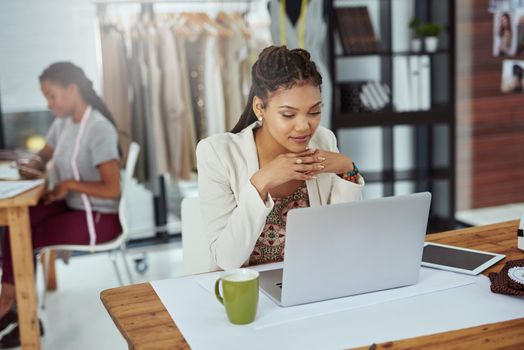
column 344, row 249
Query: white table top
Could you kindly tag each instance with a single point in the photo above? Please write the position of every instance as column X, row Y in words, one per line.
column 491, row 215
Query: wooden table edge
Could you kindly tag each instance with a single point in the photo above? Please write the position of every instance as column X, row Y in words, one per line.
column 122, row 331
column 175, row 336
column 28, row 198
column 469, row 332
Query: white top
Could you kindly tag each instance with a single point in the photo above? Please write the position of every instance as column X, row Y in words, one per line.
column 98, row 145
column 232, row 210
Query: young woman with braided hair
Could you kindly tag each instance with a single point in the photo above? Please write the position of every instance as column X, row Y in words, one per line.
column 275, row 159
column 82, row 208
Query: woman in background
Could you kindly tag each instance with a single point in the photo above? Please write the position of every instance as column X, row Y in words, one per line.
column 82, row 208
column 275, row 159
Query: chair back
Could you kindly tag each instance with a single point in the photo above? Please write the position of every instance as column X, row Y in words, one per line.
column 195, row 247
column 132, row 157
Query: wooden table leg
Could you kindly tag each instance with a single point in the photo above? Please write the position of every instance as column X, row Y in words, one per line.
column 51, row 274
column 24, row 273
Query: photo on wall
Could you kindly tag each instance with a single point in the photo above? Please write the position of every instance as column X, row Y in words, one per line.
column 508, row 30
column 504, row 37
column 512, row 76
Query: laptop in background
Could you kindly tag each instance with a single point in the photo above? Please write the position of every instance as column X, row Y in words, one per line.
column 351, row 248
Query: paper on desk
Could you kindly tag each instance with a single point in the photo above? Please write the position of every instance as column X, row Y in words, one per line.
column 10, row 189
column 270, row 314
column 7, row 172
column 203, row 322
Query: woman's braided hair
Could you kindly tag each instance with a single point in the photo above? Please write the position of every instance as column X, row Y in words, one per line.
column 65, row 74
column 277, row 67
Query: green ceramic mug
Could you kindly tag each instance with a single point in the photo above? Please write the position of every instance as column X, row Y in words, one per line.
column 240, row 294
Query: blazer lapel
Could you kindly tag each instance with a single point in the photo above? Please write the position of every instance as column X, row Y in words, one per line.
column 318, row 189
column 313, row 193
column 248, row 142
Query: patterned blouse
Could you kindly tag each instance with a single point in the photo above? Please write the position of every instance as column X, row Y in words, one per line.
column 270, row 244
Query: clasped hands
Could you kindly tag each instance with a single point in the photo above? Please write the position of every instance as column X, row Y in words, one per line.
column 299, row 166
column 313, row 162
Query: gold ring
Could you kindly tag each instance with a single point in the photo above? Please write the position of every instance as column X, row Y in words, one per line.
column 298, row 161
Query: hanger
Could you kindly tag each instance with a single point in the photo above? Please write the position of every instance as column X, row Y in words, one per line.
column 214, row 27
column 183, row 26
column 147, row 14
column 223, row 18
column 240, row 21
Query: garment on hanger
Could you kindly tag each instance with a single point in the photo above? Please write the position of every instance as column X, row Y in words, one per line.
column 139, row 126
column 195, row 48
column 155, row 88
column 314, row 40
column 213, row 93
column 301, row 18
column 145, row 81
column 188, row 157
column 115, row 82
column 293, row 10
column 234, row 53
column 173, row 103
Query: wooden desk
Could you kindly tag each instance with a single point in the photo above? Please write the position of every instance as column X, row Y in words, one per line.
column 14, row 213
column 145, row 323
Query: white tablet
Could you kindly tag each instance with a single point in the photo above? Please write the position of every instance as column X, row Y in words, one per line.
column 457, row 259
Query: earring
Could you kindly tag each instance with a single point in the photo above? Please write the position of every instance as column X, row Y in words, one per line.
column 259, row 117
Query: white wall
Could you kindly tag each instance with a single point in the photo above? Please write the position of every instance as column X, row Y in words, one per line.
column 35, row 34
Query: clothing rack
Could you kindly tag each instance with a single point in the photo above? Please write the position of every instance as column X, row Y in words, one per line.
column 147, row 5
column 202, row 2
column 158, row 183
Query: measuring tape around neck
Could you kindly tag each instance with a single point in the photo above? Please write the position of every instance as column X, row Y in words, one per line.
column 301, row 24
column 76, row 174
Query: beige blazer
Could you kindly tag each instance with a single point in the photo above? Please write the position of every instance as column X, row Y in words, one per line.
column 232, row 210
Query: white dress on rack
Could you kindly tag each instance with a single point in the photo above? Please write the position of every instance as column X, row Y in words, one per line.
column 172, row 99
column 234, row 52
column 315, row 41
column 115, row 82
column 213, row 93
column 155, row 89
column 188, row 156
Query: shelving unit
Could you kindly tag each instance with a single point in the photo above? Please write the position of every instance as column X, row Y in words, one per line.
column 429, row 172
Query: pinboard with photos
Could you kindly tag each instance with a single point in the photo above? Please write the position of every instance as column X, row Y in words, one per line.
column 508, row 42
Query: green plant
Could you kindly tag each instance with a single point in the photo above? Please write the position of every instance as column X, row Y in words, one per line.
column 414, row 25
column 429, row 29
